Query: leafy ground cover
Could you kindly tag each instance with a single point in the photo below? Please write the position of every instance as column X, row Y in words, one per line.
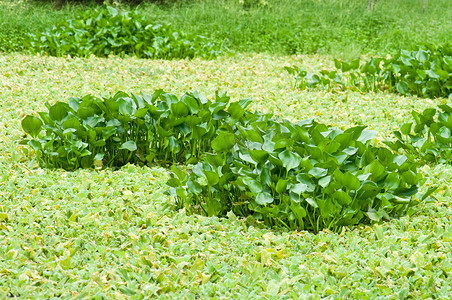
column 105, row 233
column 302, row 175
column 344, row 28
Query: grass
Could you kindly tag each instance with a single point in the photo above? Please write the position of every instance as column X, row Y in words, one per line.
column 341, row 28
column 113, row 234
column 17, row 18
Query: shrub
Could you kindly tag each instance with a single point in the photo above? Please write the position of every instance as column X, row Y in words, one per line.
column 106, row 31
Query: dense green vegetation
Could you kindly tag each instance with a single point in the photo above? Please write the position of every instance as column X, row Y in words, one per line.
column 114, row 131
column 429, row 137
column 343, row 28
column 301, row 176
column 105, row 31
column 113, row 233
column 425, row 72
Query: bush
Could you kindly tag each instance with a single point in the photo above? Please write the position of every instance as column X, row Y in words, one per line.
column 106, row 31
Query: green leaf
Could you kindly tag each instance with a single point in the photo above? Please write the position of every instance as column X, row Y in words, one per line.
column 192, row 103
column 367, row 135
column 244, row 103
column 312, row 202
column 373, row 215
column 212, row 177
column 254, row 185
column 406, row 128
column 376, row 169
column 402, row 87
column 259, row 156
column 236, row 110
column 59, row 111
column 72, row 123
column 32, row 125
column 214, row 159
column 351, row 181
column 112, row 11
column 318, row 172
column 325, row 181
column 223, row 142
column 99, row 157
column 410, row 177
column 125, row 106
column 290, row 160
column 129, row 145
column 342, row 198
column 281, row 186
column 298, row 210
column 299, row 188
column 430, row 191
column 368, row 190
column 179, row 109
column 264, row 198
column 179, row 172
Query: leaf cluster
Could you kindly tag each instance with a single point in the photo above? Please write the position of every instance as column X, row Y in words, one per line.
column 137, row 129
column 105, row 31
column 302, row 175
column 429, row 137
column 426, row 72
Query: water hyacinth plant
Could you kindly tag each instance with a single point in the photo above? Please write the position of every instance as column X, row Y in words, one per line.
column 105, row 31
column 303, row 175
column 425, row 72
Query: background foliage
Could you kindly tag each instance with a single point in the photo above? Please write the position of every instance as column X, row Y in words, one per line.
column 343, row 28
column 105, row 31
column 425, row 72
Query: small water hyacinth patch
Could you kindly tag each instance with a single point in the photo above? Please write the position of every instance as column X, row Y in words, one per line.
column 428, row 138
column 426, row 72
column 105, row 31
column 303, row 175
column 137, row 129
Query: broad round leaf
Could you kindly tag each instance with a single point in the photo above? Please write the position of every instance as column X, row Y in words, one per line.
column 126, row 106
column 402, row 87
column 59, row 111
column 264, row 198
column 367, row 135
column 223, row 142
column 129, row 145
column 342, row 197
column 290, row 160
column 351, row 181
column 32, row 125
column 318, row 172
column 212, row 177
